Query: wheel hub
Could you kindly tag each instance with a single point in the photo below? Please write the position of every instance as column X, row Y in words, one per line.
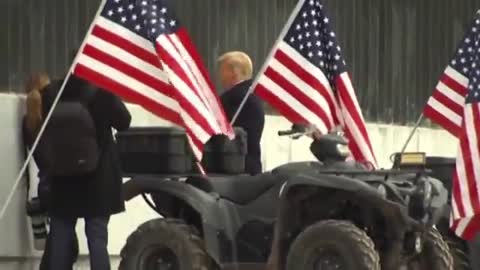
column 164, row 265
column 328, row 260
column 159, row 258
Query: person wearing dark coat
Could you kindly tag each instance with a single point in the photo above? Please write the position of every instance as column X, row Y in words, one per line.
column 31, row 124
column 94, row 196
column 235, row 70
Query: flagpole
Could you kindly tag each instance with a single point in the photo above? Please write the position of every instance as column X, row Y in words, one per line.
column 419, row 121
column 270, row 56
column 49, row 115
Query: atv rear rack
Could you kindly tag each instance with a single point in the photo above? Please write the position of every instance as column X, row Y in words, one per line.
column 339, row 171
column 177, row 176
column 378, row 172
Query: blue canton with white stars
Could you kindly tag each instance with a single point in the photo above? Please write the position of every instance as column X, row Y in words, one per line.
column 147, row 18
column 312, row 35
column 467, row 60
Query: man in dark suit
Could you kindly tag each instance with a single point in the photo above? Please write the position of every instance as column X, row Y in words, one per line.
column 235, row 70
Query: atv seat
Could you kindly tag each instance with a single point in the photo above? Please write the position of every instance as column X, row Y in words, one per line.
column 240, row 189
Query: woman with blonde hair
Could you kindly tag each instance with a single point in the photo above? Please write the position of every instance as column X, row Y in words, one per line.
column 32, row 123
column 34, row 117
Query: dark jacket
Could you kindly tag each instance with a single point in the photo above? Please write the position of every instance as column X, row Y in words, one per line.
column 28, row 140
column 43, row 188
column 98, row 193
column 251, row 119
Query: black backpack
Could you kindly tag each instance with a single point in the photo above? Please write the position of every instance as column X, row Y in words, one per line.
column 70, row 138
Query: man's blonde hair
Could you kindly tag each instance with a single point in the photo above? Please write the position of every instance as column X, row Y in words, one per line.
column 238, row 61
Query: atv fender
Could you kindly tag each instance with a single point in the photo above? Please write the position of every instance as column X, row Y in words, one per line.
column 395, row 214
column 367, row 193
column 196, row 198
column 354, row 186
column 329, row 181
column 204, row 203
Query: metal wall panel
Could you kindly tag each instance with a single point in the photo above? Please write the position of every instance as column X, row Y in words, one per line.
column 40, row 34
column 395, row 49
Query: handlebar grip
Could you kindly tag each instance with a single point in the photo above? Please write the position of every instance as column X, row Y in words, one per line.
column 286, row 132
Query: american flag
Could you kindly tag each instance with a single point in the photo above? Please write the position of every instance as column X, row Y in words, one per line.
column 306, row 79
column 139, row 51
column 445, row 107
column 466, row 180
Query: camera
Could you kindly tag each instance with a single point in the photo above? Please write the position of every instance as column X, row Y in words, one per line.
column 38, row 217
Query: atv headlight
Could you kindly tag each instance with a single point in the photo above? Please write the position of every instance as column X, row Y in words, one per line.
column 343, row 150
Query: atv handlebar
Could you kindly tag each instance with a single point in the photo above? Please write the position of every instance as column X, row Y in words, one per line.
column 297, row 131
column 286, row 132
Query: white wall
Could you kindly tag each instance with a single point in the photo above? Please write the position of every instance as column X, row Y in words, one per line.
column 14, row 236
column 14, row 228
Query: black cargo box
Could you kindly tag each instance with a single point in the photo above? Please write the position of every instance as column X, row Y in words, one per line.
column 165, row 150
column 154, row 150
column 224, row 156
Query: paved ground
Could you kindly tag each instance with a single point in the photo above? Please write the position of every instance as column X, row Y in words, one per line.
column 32, row 264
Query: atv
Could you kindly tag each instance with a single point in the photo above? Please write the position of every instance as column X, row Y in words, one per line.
column 328, row 214
column 442, row 168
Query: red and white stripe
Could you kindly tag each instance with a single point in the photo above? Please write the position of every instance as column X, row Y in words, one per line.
column 466, row 180
column 123, row 62
column 298, row 89
column 183, row 66
column 126, row 64
column 353, row 122
column 445, row 106
column 302, row 93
